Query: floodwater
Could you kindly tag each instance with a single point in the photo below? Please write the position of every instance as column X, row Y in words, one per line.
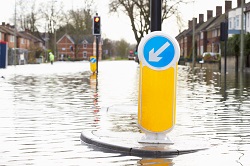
column 44, row 108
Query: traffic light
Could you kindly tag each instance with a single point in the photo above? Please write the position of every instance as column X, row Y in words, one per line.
column 223, row 31
column 97, row 25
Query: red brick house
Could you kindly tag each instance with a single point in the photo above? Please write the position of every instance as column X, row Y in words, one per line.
column 2, row 33
column 9, row 37
column 66, row 47
column 25, row 42
column 7, row 34
column 32, row 41
column 207, row 33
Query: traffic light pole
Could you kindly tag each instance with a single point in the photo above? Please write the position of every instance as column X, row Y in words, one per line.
column 97, row 52
column 155, row 15
column 97, row 33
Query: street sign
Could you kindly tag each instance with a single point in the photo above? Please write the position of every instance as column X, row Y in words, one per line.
column 159, row 54
column 93, row 64
column 159, row 51
column 92, row 60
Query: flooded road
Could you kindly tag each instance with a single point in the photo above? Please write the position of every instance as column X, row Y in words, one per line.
column 44, row 108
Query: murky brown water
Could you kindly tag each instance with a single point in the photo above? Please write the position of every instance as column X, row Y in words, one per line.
column 44, row 108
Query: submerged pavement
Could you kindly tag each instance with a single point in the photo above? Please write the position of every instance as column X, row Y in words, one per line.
column 127, row 143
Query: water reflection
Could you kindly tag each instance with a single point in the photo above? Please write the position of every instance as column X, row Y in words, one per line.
column 156, row 161
column 44, row 108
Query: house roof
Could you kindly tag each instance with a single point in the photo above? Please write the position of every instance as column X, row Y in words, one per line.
column 10, row 30
column 212, row 23
column 247, row 7
column 181, row 34
column 31, row 37
column 2, row 30
column 216, row 23
column 189, row 31
column 88, row 38
column 205, row 25
column 73, row 38
column 67, row 36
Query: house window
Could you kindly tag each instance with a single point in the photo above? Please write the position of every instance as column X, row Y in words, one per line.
column 230, row 23
column 0, row 35
column 237, row 21
column 214, row 34
column 84, row 45
column 84, row 54
column 247, row 21
column 12, row 38
column 244, row 20
column 201, row 35
column 22, row 41
column 201, row 50
column 234, row 27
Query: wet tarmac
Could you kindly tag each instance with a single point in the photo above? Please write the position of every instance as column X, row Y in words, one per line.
column 44, row 108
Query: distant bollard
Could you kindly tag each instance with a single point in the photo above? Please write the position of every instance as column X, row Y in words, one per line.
column 159, row 55
column 93, row 63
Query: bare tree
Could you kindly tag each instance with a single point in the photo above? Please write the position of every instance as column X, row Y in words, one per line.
column 79, row 24
column 138, row 12
column 52, row 13
column 27, row 15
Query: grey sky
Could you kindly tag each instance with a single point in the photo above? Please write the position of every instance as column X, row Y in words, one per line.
column 116, row 26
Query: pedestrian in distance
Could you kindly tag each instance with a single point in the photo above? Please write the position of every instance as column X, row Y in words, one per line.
column 51, row 58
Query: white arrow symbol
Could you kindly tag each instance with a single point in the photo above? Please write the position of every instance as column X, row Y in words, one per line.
column 153, row 56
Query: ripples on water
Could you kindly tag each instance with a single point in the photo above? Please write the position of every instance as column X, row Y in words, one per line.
column 45, row 107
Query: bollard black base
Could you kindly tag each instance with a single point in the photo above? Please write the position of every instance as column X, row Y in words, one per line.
column 126, row 143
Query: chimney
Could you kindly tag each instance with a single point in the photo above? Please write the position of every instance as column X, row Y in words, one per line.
column 209, row 14
column 201, row 18
column 228, row 6
column 3, row 23
column 218, row 10
column 190, row 23
column 195, row 21
column 27, row 30
column 239, row 3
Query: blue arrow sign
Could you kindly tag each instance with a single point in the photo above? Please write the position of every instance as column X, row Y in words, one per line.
column 93, row 60
column 158, row 50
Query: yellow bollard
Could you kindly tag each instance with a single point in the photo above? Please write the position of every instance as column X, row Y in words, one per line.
column 92, row 63
column 158, row 54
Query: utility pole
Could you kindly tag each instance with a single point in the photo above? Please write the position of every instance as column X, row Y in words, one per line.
column 15, row 45
column 55, row 52
column 193, row 45
column 97, row 52
column 242, row 38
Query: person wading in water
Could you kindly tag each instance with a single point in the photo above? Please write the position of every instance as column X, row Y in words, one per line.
column 51, row 58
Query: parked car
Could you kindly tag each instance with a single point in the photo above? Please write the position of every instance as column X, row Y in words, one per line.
column 211, row 57
column 131, row 57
